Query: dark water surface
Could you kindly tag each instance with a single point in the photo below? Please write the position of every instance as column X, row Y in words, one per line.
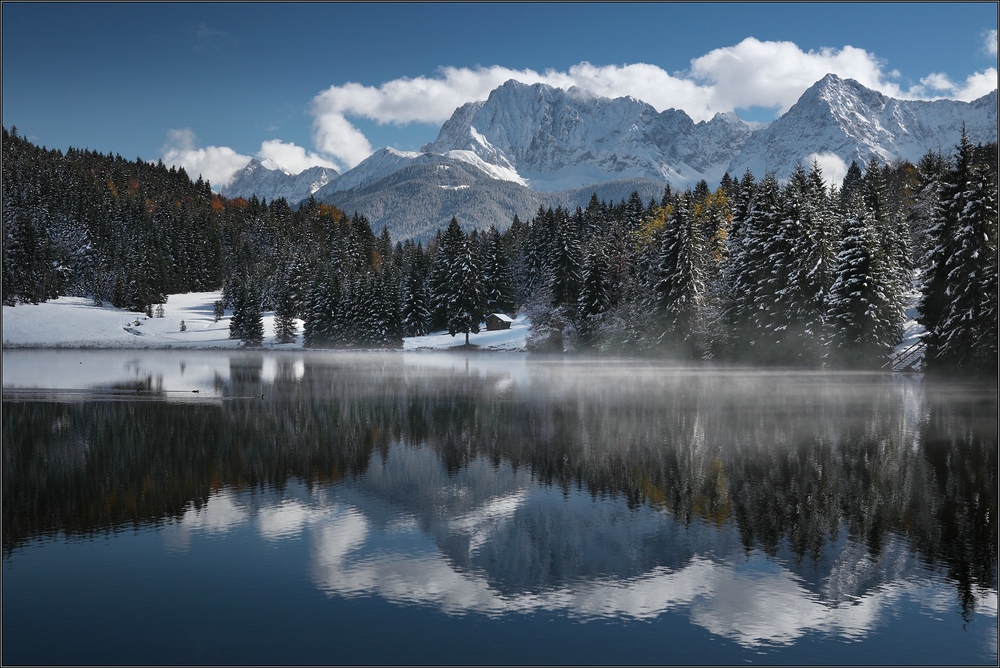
column 199, row 507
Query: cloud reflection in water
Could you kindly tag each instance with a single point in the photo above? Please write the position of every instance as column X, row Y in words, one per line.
column 408, row 532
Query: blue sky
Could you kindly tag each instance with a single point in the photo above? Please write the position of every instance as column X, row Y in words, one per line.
column 207, row 86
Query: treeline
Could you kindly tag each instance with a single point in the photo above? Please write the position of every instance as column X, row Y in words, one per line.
column 754, row 272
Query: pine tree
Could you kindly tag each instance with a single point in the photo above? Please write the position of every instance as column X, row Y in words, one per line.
column 595, row 298
column 866, row 322
column 498, row 281
column 958, row 304
column 247, row 323
column 285, row 329
column 567, row 257
column 459, row 288
column 749, row 272
column 679, row 288
column 322, row 302
column 807, row 268
column 415, row 314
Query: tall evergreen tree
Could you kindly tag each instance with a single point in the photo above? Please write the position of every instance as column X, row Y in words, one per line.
column 247, row 322
column 807, row 268
column 414, row 311
column 285, row 329
column 595, row 298
column 866, row 322
column 958, row 304
column 567, row 258
column 460, row 294
column 679, row 288
column 750, row 272
column 498, row 280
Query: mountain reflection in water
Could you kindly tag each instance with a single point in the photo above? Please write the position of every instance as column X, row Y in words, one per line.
column 766, row 505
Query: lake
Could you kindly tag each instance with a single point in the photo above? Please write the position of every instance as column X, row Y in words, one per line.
column 307, row 507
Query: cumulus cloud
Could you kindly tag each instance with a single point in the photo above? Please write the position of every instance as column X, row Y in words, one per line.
column 974, row 87
column 990, row 43
column 217, row 164
column 292, row 157
column 435, row 99
column 832, row 165
column 775, row 74
column 752, row 73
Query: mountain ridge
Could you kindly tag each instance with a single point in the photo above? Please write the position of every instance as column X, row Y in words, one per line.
column 555, row 142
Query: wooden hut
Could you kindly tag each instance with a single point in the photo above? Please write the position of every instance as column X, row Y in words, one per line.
column 496, row 321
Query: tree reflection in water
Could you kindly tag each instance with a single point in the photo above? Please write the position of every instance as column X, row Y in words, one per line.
column 805, row 465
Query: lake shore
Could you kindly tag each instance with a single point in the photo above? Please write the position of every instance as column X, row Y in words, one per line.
column 74, row 322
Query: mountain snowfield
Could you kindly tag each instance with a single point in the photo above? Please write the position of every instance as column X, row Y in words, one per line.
column 555, row 147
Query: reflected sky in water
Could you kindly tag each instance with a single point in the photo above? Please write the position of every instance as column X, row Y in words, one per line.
column 489, row 560
column 797, row 517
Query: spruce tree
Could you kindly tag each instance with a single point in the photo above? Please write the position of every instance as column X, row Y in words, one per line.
column 285, row 329
column 807, row 267
column 679, row 287
column 865, row 321
column 567, row 257
column 749, row 272
column 958, row 304
column 415, row 314
column 595, row 298
column 498, row 280
column 459, row 288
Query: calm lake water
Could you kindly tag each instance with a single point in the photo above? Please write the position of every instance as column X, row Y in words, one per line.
column 200, row 507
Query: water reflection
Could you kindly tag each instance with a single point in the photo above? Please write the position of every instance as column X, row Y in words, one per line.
column 764, row 506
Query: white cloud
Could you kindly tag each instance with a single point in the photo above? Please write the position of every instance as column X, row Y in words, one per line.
column 334, row 134
column 832, row 165
column 292, row 157
column 217, row 164
column 975, row 85
column 775, row 74
column 749, row 74
column 752, row 73
column 990, row 43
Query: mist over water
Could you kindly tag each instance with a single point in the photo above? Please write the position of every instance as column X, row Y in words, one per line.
column 648, row 513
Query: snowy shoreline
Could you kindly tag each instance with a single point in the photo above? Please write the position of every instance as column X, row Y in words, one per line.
column 75, row 323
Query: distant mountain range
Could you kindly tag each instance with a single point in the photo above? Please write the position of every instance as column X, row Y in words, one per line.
column 527, row 146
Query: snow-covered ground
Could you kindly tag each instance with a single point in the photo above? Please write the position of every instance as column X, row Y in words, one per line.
column 74, row 322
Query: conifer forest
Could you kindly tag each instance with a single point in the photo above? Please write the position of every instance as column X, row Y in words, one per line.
column 756, row 272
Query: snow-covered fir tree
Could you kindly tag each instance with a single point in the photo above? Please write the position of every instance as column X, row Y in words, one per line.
column 413, row 302
column 678, row 286
column 807, row 267
column 247, row 323
column 498, row 279
column 595, row 297
column 459, row 290
column 866, row 322
column 958, row 303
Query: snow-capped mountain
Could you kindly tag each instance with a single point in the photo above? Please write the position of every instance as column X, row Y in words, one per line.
column 843, row 117
column 269, row 180
column 387, row 161
column 557, row 140
column 531, row 145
